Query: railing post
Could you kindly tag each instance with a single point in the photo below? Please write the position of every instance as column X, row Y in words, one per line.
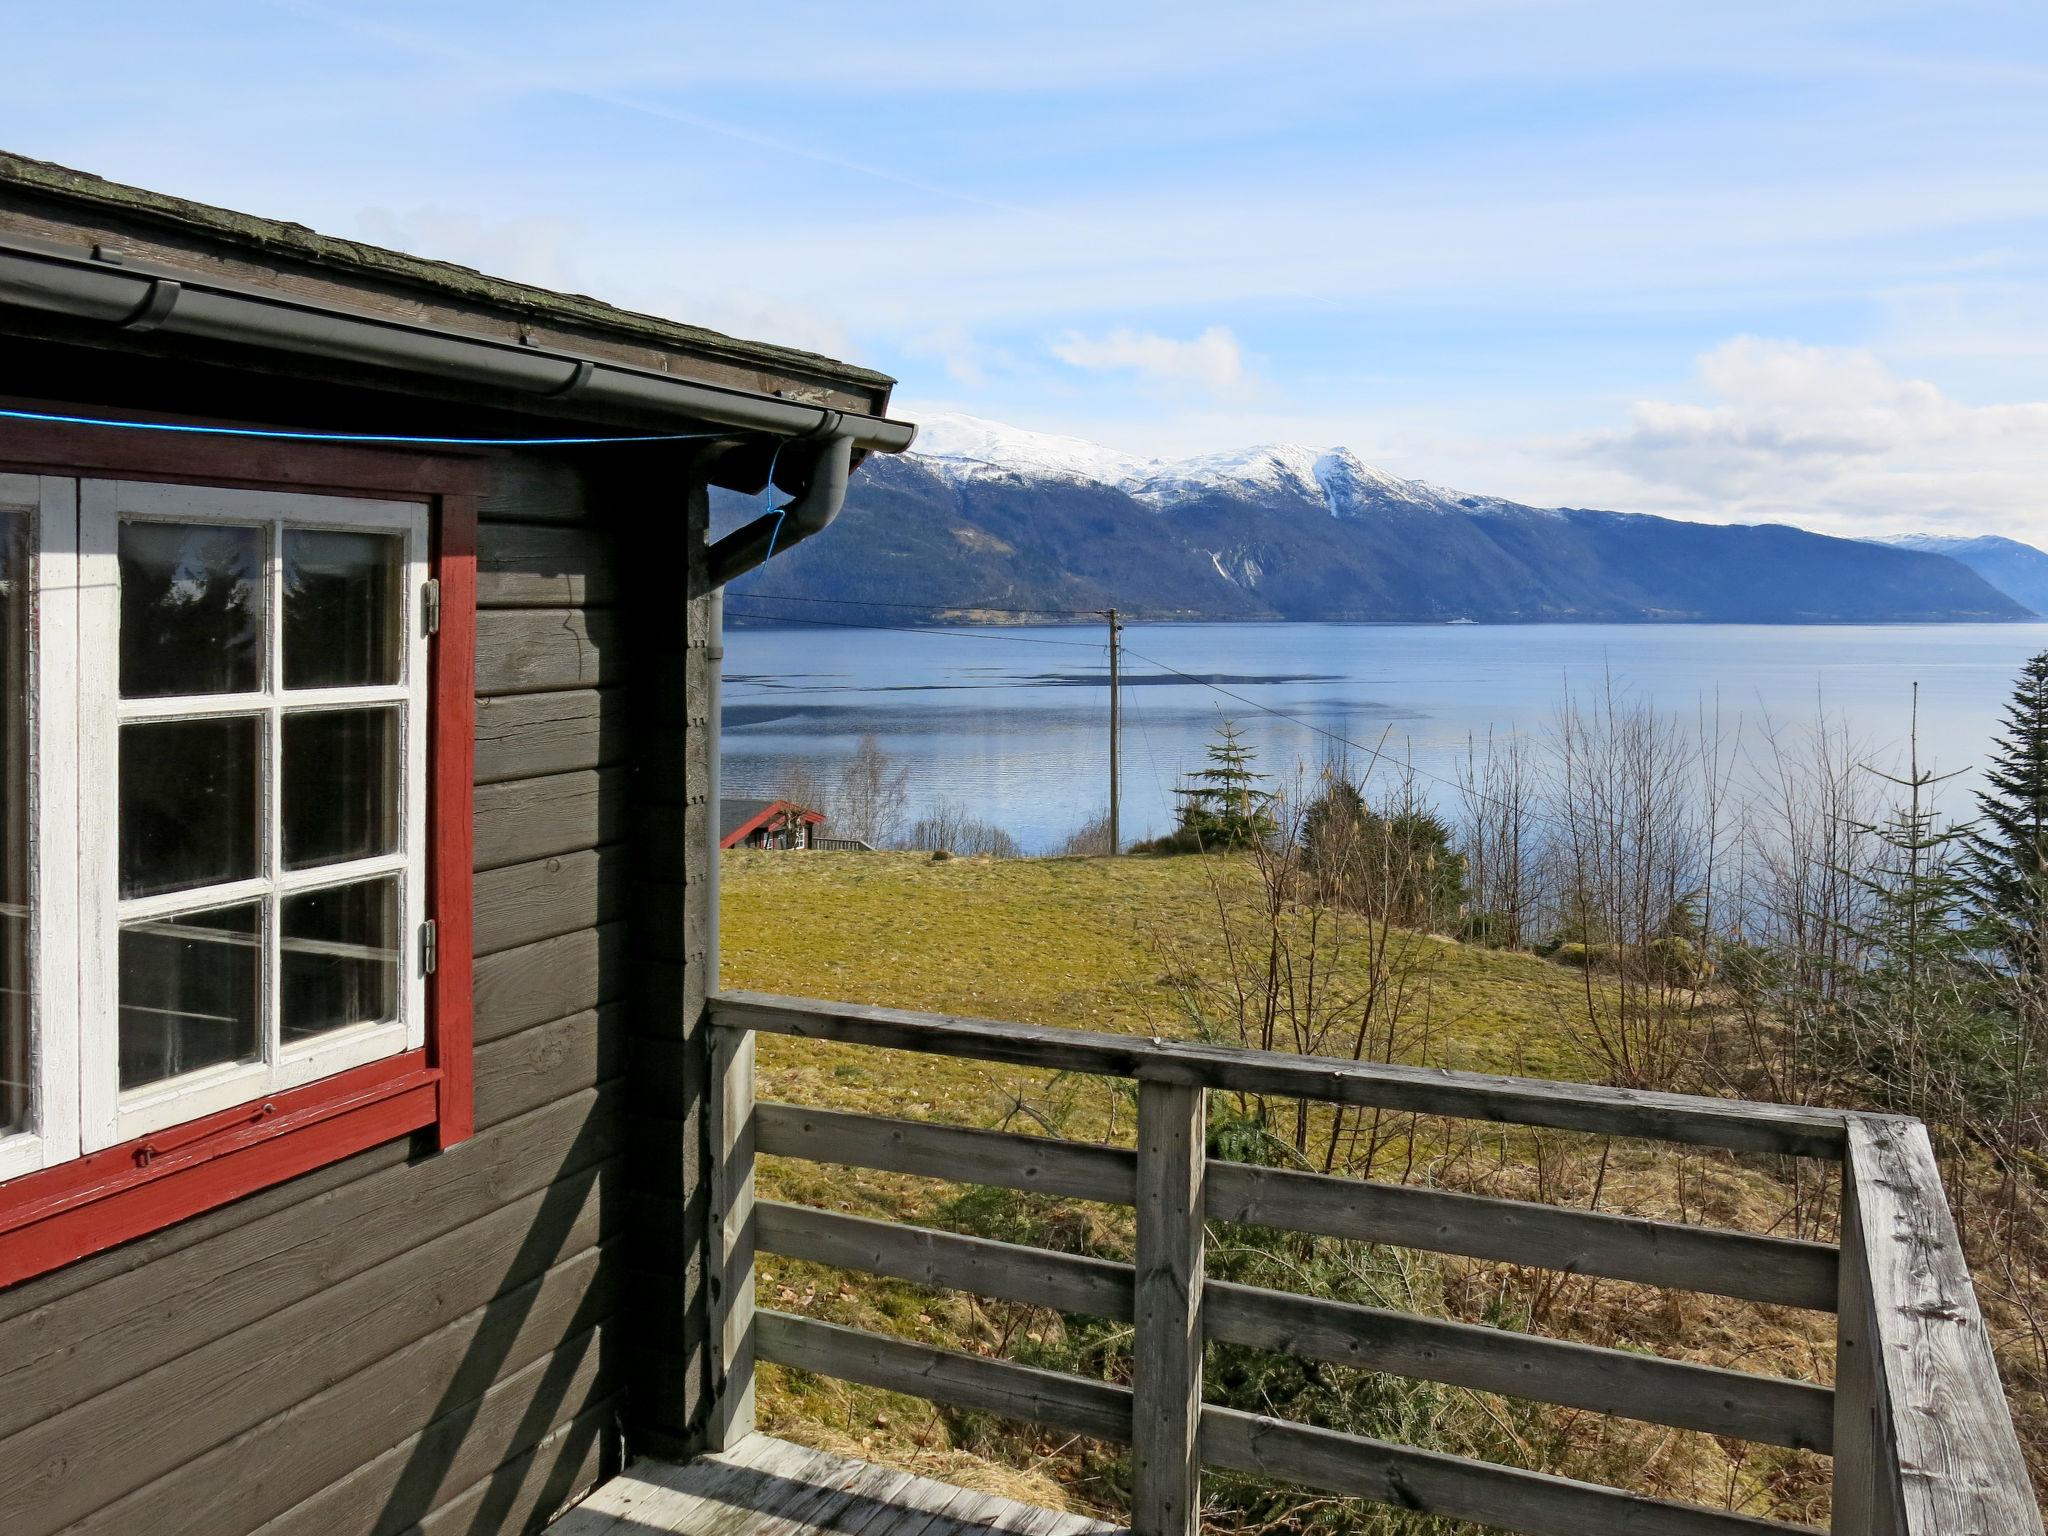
column 1166, row 1465
column 1860, row 1507
column 732, row 1249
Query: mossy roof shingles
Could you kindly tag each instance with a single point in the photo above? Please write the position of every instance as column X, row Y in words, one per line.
column 295, row 242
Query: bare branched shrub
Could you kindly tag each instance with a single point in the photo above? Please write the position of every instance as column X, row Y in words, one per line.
column 1090, row 840
column 1502, row 841
column 1307, row 954
column 1634, row 801
column 873, row 791
column 948, row 827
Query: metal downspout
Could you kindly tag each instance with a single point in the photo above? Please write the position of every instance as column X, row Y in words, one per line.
column 812, row 511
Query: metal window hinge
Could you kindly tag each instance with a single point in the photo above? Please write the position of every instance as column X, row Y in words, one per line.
column 430, row 607
column 430, row 949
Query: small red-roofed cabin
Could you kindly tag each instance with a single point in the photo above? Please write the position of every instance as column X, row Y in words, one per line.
column 782, row 825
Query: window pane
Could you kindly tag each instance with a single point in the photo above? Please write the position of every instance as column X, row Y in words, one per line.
column 340, row 786
column 342, row 608
column 16, row 1099
column 191, row 992
column 191, row 609
column 340, row 958
column 189, row 798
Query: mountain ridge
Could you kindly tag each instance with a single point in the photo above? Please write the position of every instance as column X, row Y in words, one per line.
column 985, row 520
column 2017, row 569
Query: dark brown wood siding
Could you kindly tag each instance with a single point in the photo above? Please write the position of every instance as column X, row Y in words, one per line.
column 406, row 1341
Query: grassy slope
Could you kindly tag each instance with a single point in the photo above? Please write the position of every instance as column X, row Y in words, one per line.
column 1079, row 943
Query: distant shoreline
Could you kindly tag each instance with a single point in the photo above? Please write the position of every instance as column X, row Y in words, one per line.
column 902, row 620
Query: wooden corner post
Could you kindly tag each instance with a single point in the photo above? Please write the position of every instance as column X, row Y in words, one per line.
column 1166, row 1466
column 732, row 1228
column 1924, row 1442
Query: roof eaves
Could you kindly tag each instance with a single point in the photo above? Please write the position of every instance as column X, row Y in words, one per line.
column 278, row 237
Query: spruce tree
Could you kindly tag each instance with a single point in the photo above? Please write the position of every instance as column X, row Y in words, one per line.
column 1916, row 1028
column 1222, row 805
column 2007, row 849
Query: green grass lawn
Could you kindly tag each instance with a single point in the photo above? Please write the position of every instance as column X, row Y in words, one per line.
column 1078, row 943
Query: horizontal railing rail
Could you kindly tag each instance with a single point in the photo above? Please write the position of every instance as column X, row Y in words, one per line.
column 1917, row 1424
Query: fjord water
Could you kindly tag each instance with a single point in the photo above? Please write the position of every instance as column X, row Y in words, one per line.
column 1012, row 723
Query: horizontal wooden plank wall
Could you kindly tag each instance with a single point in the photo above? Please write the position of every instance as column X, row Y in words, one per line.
column 406, row 1341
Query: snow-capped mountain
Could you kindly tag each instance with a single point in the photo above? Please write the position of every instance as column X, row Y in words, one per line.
column 984, row 519
column 969, row 448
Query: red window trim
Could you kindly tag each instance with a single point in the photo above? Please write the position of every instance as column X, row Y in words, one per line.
column 57, row 1215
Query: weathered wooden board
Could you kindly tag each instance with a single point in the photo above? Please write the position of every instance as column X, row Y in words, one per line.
column 525, row 903
column 1950, row 1455
column 1427, row 1482
column 1768, row 1410
column 371, row 1408
column 92, row 1341
column 1775, row 1270
column 545, row 650
column 1065, row 1282
column 154, row 1423
column 945, row 1376
column 730, row 1291
column 517, row 1074
column 525, row 565
column 536, row 488
column 767, row 1487
column 968, row 1156
column 1739, row 1124
column 515, row 989
column 1166, row 1350
column 526, row 819
column 528, row 735
column 523, row 1493
column 42, row 1294
column 1781, row 1271
column 406, row 1483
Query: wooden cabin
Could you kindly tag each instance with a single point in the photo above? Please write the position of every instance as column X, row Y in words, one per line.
column 782, row 825
column 355, row 973
column 376, row 1154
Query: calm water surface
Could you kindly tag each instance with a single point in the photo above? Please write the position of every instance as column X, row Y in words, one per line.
column 1013, row 723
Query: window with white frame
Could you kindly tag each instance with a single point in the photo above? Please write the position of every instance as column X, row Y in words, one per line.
column 215, row 796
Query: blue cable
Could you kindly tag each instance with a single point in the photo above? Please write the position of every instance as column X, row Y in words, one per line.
column 387, row 437
column 355, row 437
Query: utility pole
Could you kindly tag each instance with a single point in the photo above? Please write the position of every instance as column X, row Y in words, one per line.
column 1116, row 629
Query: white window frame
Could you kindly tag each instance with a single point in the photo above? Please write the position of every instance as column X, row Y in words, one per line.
column 75, row 719
column 51, row 501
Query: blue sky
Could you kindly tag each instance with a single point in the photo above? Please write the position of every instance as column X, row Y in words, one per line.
column 1733, row 261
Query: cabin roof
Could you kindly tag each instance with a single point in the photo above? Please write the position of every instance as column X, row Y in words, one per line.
column 739, row 816
column 185, row 221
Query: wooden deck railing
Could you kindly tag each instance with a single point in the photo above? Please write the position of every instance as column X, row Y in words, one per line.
column 1917, row 1423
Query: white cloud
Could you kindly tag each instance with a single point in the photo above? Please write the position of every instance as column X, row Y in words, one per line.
column 1831, row 438
column 1212, row 360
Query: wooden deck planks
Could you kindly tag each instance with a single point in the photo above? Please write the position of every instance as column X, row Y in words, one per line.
column 768, row 1487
